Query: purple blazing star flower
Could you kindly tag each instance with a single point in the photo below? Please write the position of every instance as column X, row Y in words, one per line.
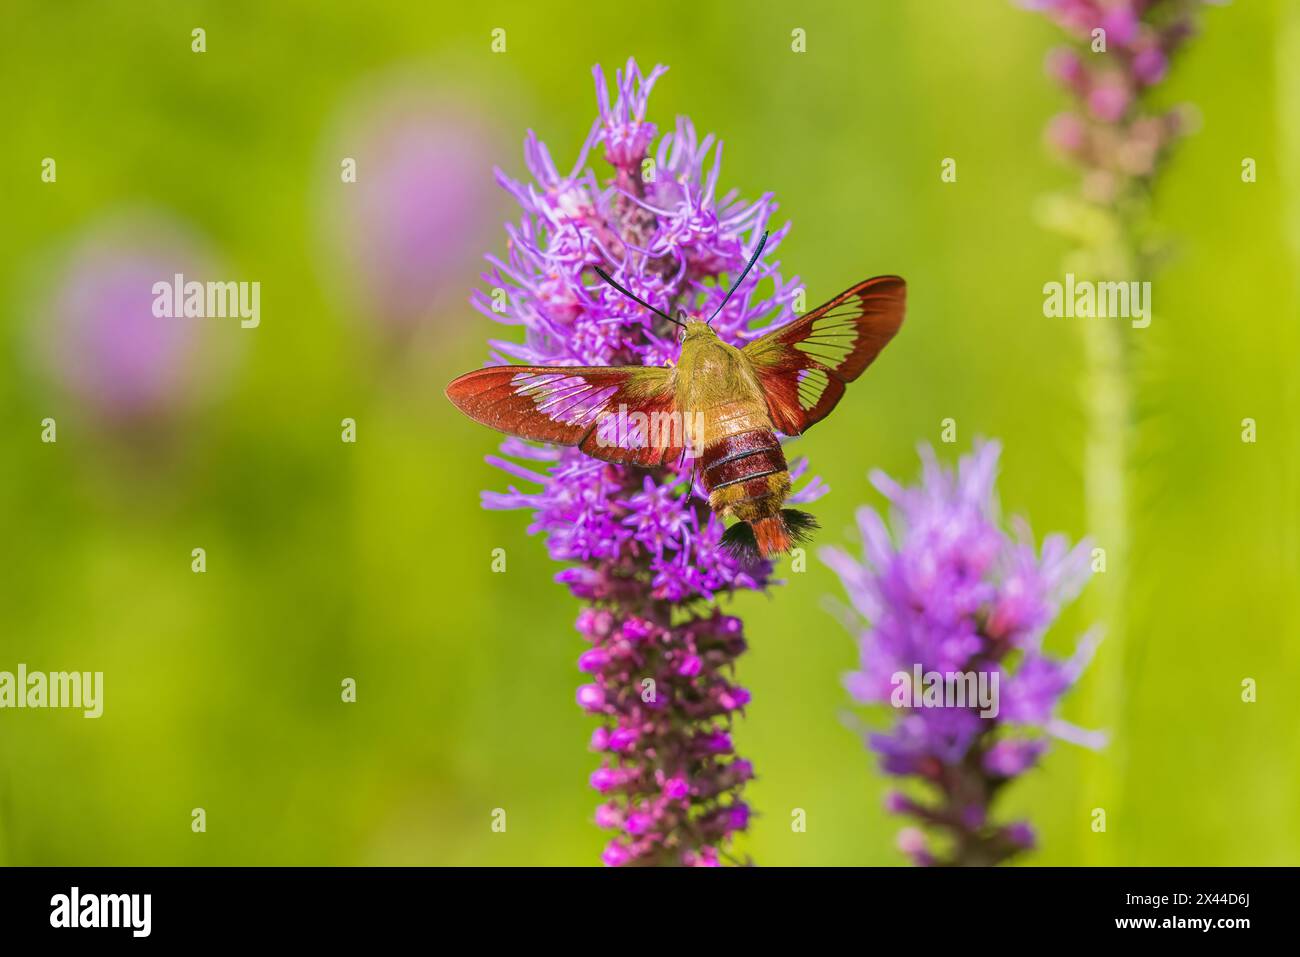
column 1111, row 134
column 99, row 338
column 951, row 592
column 397, row 235
column 644, row 549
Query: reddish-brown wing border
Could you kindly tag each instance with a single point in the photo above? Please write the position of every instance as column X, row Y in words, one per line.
column 564, row 405
column 804, row 365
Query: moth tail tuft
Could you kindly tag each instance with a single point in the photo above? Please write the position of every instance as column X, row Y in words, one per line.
column 740, row 543
column 766, row 537
column 799, row 524
column 772, row 536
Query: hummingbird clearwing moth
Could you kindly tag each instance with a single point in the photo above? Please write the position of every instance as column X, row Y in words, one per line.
column 720, row 404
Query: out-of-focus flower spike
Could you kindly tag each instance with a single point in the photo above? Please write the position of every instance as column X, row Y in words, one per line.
column 950, row 593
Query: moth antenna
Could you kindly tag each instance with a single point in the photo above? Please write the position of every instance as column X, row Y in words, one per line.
column 762, row 241
column 635, row 298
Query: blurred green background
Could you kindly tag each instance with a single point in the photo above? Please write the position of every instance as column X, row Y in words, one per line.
column 371, row 560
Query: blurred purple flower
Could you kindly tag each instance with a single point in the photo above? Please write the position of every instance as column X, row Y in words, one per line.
column 99, row 338
column 950, row 591
column 1112, row 124
column 401, row 232
column 1118, row 139
column 645, row 547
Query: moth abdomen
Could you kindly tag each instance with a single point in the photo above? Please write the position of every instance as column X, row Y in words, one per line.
column 737, row 458
column 747, row 479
